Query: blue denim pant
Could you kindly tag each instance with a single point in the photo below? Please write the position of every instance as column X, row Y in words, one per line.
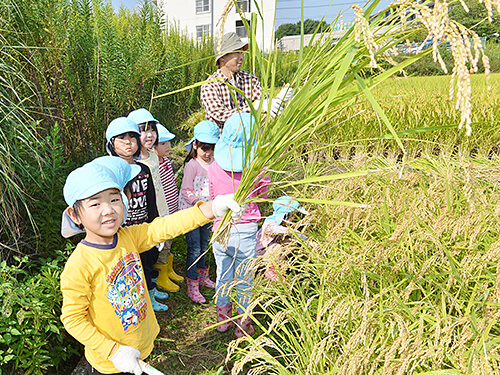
column 232, row 265
column 197, row 242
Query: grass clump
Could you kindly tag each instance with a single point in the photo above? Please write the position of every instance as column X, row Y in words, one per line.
column 409, row 285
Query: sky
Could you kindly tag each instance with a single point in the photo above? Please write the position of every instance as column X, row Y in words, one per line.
column 289, row 11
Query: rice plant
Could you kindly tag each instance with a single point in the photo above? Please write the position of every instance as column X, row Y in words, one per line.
column 331, row 77
column 408, row 286
column 391, row 288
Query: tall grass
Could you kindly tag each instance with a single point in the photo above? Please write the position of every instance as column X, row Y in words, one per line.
column 90, row 65
column 68, row 67
column 15, row 133
column 409, row 285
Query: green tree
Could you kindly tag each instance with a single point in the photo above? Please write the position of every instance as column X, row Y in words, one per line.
column 310, row 27
column 287, row 29
column 477, row 19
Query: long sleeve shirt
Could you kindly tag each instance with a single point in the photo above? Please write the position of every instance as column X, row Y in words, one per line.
column 218, row 99
column 153, row 164
column 105, row 299
column 194, row 183
column 221, row 182
column 169, row 187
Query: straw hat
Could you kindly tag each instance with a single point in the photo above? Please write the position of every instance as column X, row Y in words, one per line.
column 231, row 42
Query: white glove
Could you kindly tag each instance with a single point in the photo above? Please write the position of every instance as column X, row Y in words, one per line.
column 285, row 94
column 126, row 360
column 275, row 109
column 222, row 203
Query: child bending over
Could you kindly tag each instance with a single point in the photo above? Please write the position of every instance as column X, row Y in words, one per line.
column 275, row 233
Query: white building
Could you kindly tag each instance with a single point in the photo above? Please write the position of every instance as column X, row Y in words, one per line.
column 200, row 17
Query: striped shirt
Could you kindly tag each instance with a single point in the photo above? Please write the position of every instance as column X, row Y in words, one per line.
column 169, row 187
column 220, row 101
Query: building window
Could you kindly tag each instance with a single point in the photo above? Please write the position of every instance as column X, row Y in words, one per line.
column 240, row 29
column 202, row 6
column 244, row 5
column 202, row 30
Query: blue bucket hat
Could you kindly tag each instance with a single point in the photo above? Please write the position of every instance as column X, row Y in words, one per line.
column 124, row 172
column 119, row 126
column 163, row 133
column 282, row 206
column 100, row 174
column 206, row 132
column 229, row 151
column 141, row 115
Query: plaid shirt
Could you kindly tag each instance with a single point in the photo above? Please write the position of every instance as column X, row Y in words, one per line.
column 218, row 99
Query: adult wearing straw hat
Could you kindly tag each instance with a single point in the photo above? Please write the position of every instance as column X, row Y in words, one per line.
column 220, row 96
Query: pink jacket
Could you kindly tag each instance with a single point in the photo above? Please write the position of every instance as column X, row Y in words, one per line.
column 221, row 182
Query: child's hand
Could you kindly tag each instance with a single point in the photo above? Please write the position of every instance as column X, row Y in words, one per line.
column 222, row 203
column 126, row 360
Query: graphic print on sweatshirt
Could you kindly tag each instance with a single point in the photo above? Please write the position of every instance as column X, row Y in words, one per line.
column 200, row 185
column 138, row 204
column 126, row 291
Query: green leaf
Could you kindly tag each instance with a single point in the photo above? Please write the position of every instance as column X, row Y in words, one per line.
column 380, row 111
column 54, row 329
column 8, row 338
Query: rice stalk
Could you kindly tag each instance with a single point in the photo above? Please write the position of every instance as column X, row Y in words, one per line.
column 424, row 301
column 328, row 81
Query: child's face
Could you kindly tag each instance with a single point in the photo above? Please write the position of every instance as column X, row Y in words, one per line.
column 206, row 156
column 148, row 136
column 101, row 215
column 163, row 149
column 125, row 145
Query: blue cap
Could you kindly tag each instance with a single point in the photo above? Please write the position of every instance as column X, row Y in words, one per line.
column 163, row 134
column 230, row 150
column 103, row 173
column 206, row 132
column 83, row 183
column 140, row 116
column 282, row 206
column 88, row 180
column 120, row 125
column 124, row 172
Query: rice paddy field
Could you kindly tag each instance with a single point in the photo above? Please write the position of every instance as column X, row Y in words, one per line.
column 408, row 284
column 419, row 108
column 399, row 273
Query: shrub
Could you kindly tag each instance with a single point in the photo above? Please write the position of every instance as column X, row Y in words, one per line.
column 32, row 337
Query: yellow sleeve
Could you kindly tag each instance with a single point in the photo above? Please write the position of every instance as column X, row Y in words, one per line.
column 77, row 291
column 168, row 227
